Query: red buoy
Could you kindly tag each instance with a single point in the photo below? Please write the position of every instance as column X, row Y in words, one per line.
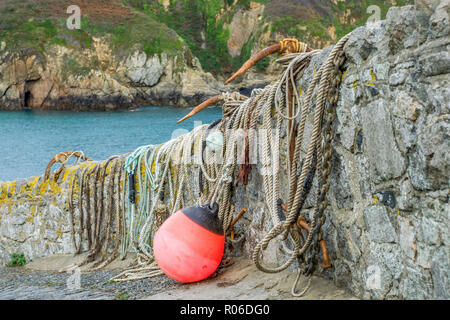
column 188, row 246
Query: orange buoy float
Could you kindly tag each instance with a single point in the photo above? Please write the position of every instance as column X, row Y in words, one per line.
column 188, row 246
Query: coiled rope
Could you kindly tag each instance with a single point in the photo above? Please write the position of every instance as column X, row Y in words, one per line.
column 324, row 74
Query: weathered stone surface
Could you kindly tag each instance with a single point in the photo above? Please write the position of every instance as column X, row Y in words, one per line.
column 416, row 285
column 440, row 270
column 439, row 20
column 145, row 70
column 346, row 242
column 386, row 161
column 241, row 28
column 430, row 231
column 378, row 225
column 407, row 238
column 429, row 161
column 435, row 64
column 340, row 183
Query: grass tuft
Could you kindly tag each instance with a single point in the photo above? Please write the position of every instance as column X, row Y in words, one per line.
column 17, row 260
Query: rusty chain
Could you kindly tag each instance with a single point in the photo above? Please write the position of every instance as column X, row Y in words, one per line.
column 324, row 180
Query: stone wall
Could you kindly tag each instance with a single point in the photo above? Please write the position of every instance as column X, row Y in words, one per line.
column 34, row 214
column 387, row 219
column 388, row 214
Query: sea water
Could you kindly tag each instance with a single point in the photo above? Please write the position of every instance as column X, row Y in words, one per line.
column 29, row 139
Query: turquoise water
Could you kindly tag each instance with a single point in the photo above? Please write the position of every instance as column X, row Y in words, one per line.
column 28, row 140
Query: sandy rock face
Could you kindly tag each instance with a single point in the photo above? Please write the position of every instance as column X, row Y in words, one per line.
column 145, row 71
column 86, row 79
column 242, row 27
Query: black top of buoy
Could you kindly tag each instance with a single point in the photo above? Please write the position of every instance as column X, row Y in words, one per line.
column 205, row 216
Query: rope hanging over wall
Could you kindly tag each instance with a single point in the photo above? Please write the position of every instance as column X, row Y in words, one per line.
column 157, row 180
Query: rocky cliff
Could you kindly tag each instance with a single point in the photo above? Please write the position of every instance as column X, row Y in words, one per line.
column 154, row 52
column 114, row 61
column 95, row 79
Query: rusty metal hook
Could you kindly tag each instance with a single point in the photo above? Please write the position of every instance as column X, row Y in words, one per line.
column 284, row 47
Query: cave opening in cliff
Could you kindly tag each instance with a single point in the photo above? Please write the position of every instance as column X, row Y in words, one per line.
column 27, row 99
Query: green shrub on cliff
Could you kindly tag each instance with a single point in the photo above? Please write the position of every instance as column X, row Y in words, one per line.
column 318, row 19
column 152, row 36
column 195, row 21
column 37, row 25
column 202, row 25
column 72, row 67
